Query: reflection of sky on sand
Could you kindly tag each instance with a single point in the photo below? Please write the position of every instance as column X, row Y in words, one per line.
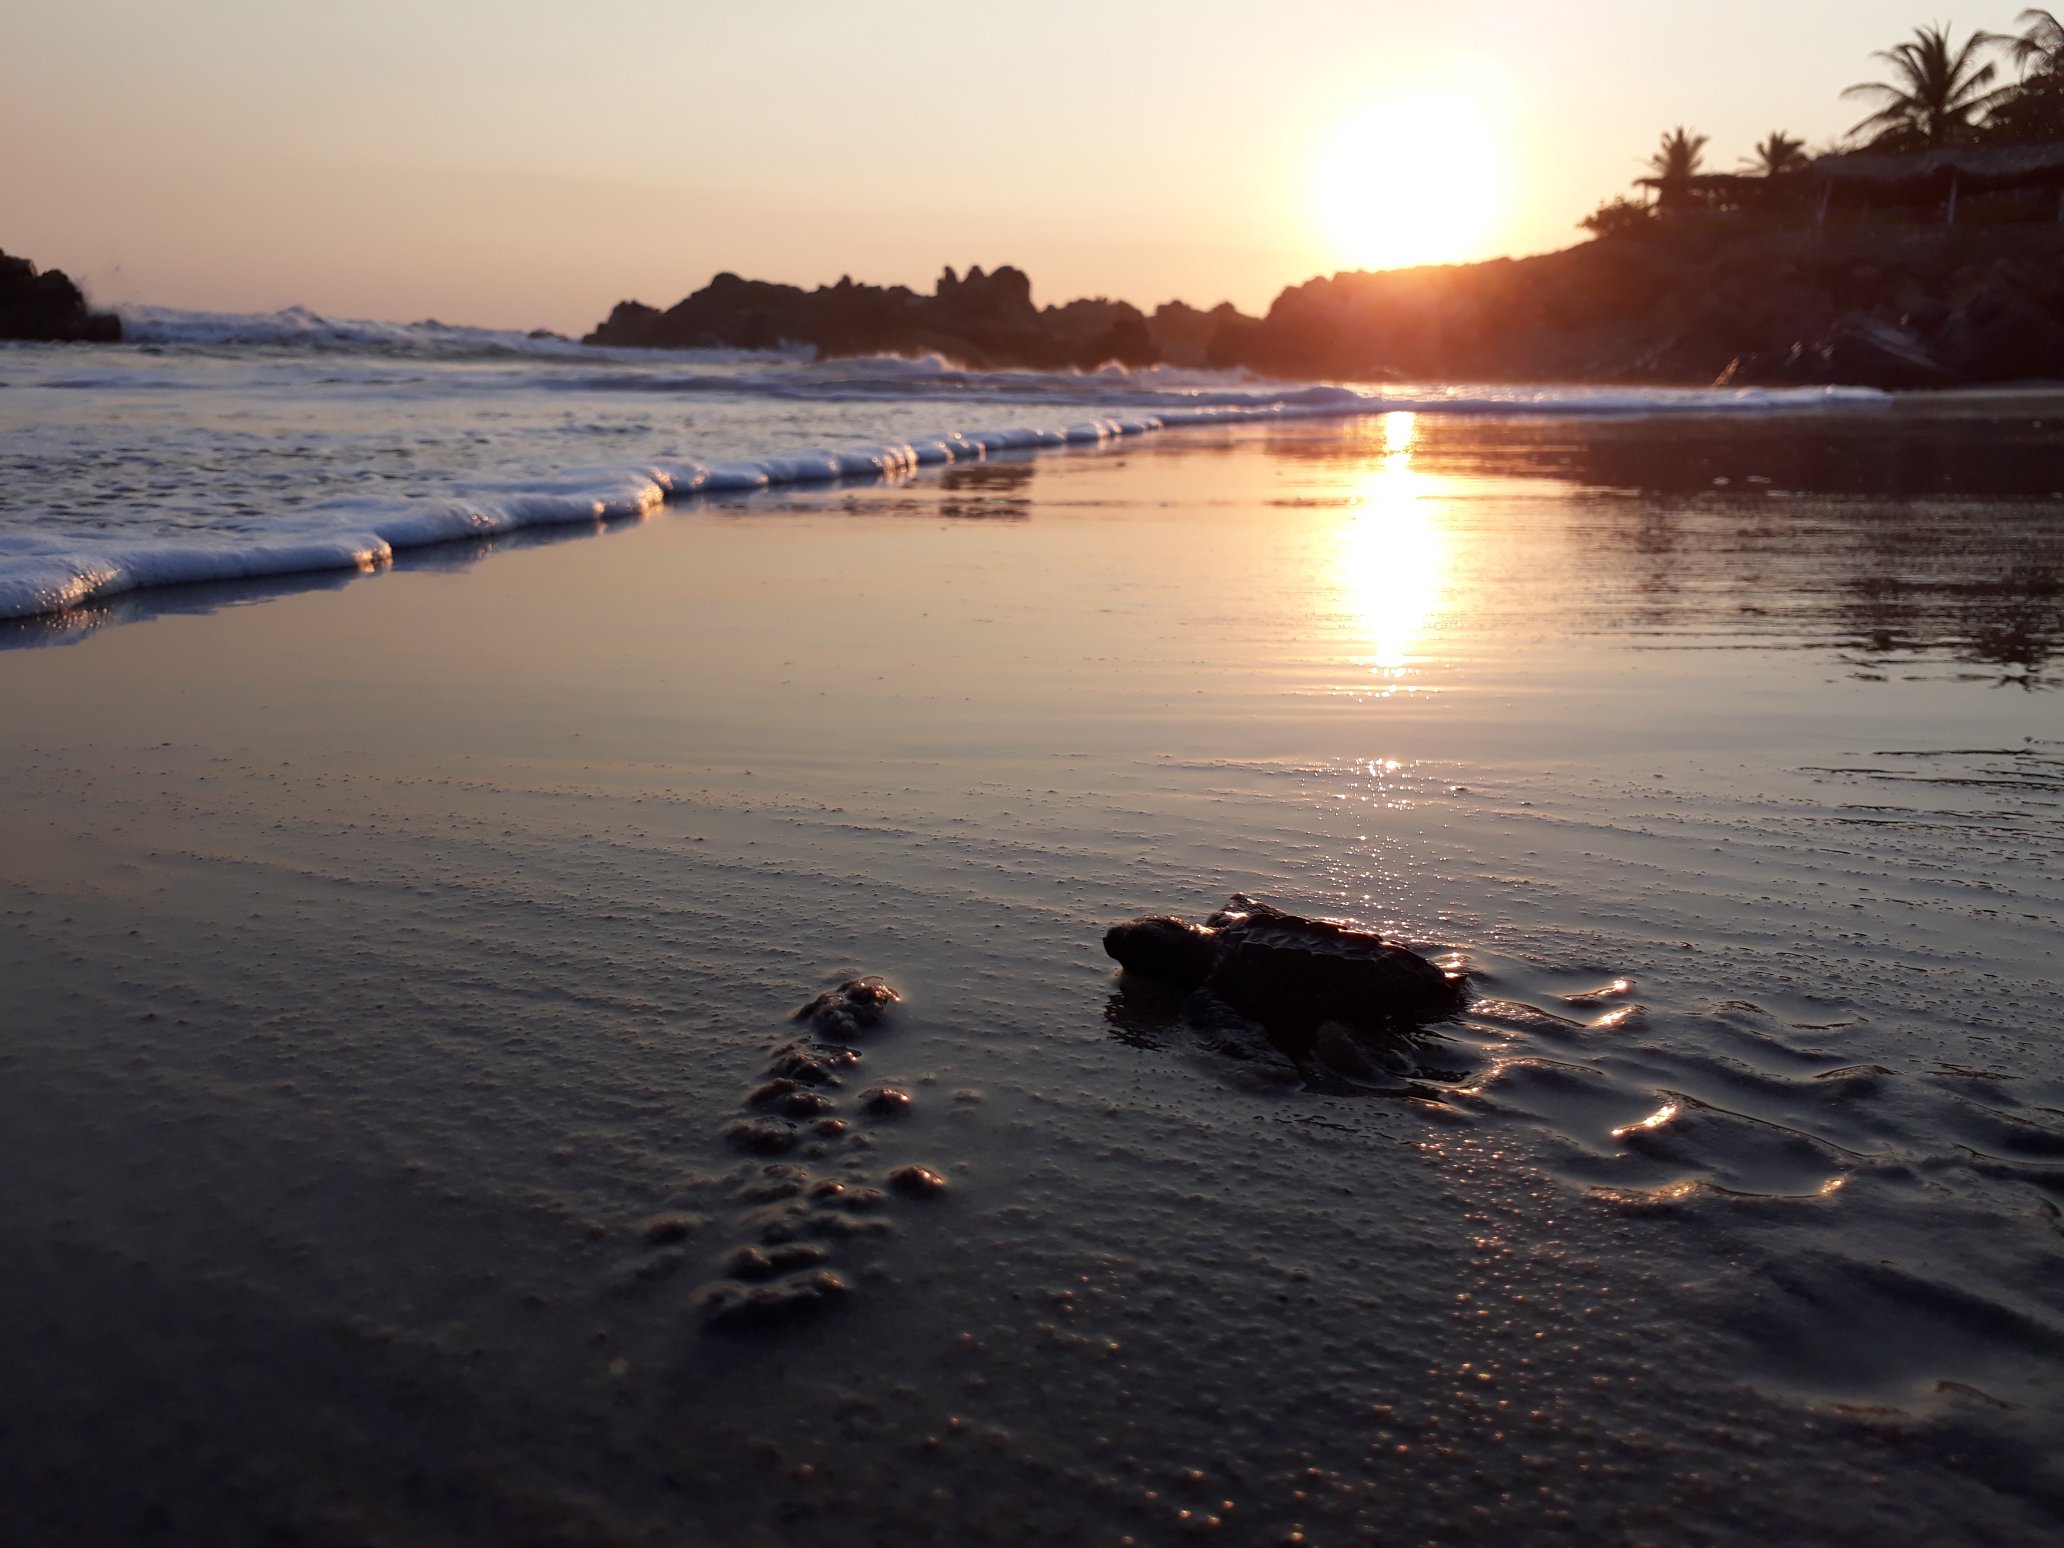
column 1392, row 560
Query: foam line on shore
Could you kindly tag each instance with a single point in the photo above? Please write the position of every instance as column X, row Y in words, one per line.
column 1169, row 392
column 48, row 575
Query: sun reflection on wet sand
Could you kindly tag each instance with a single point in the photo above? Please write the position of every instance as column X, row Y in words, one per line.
column 1654, row 1120
column 1392, row 561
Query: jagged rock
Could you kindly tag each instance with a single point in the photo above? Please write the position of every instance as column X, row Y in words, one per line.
column 999, row 300
column 45, row 306
column 1182, row 334
column 1884, row 354
column 2001, row 333
column 1856, row 350
column 980, row 319
column 1899, row 307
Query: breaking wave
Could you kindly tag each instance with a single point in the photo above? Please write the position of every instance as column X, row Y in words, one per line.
column 243, row 360
column 301, row 328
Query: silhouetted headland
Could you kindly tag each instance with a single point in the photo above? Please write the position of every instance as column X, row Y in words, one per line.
column 1687, row 304
column 1690, row 302
column 980, row 320
column 46, row 306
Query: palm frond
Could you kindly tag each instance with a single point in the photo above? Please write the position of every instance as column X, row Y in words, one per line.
column 2039, row 50
column 1938, row 88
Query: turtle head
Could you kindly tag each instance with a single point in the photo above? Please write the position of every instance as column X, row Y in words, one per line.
column 1161, row 946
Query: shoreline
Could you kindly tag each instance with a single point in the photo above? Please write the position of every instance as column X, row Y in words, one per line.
column 49, row 591
column 685, row 487
column 43, row 581
column 2039, row 395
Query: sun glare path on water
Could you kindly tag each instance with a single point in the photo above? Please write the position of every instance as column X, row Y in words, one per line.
column 1410, row 180
column 1392, row 560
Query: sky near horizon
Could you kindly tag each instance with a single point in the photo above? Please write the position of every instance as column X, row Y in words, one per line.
column 522, row 163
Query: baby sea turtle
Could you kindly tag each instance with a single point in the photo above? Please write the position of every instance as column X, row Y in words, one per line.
column 1283, row 970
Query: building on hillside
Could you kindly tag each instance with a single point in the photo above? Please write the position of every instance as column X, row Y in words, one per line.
column 1708, row 194
column 1952, row 185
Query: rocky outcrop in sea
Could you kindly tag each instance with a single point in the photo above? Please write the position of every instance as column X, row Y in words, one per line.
column 977, row 319
column 45, row 306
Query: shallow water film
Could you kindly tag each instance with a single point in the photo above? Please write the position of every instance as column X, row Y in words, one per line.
column 409, row 1137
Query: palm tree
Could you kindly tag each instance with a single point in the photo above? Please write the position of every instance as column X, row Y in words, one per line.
column 1779, row 154
column 1939, row 89
column 2040, row 48
column 2033, row 109
column 1679, row 156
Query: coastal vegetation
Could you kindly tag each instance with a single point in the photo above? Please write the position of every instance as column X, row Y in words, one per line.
column 2034, row 110
column 1778, row 155
column 1939, row 93
column 1618, row 216
column 1681, row 154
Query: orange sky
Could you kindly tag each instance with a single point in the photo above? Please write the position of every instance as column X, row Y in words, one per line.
column 522, row 163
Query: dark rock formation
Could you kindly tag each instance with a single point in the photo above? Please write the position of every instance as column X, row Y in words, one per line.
column 48, row 307
column 1890, row 307
column 1186, row 336
column 1689, row 303
column 1854, row 349
column 977, row 319
column 1283, row 970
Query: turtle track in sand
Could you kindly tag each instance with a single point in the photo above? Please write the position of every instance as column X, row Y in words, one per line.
column 817, row 1187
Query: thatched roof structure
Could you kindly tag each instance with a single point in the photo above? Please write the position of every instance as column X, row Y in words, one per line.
column 1974, row 168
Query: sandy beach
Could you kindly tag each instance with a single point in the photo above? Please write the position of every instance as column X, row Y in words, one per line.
column 390, row 957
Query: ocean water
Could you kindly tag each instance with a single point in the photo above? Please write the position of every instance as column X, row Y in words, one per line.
column 221, row 447
column 390, row 967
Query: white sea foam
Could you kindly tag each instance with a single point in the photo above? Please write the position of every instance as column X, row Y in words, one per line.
column 234, row 486
column 299, row 327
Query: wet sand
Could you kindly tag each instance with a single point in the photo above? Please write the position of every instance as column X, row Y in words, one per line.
column 390, row 964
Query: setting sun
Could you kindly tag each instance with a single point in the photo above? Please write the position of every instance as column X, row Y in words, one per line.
column 1409, row 180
